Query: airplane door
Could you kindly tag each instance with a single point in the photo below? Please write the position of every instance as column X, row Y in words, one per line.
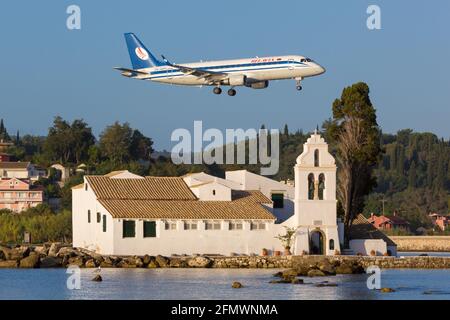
column 291, row 64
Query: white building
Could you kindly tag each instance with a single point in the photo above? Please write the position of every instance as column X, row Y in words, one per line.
column 20, row 170
column 126, row 214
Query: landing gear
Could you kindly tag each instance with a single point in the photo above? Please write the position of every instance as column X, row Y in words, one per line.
column 298, row 84
column 231, row 92
column 217, row 90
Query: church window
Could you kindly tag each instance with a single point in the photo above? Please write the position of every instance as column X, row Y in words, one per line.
column 331, row 244
column 316, row 158
column 321, row 185
column 278, row 200
column 311, row 186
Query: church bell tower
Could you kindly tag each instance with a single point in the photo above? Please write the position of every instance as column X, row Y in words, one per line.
column 315, row 199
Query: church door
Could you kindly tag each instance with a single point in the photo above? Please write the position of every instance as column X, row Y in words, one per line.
column 317, row 243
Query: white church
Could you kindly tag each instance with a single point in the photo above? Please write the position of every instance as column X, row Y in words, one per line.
column 125, row 214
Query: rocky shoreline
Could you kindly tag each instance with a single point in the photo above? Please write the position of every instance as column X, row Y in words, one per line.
column 57, row 255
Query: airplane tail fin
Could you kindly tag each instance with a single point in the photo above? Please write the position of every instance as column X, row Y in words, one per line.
column 140, row 56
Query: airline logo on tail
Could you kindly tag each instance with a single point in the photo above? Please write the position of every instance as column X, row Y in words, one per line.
column 141, row 53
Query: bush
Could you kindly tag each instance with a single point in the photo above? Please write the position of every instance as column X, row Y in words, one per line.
column 43, row 224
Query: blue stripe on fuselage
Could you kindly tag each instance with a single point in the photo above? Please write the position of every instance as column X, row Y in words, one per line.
column 240, row 66
column 211, row 68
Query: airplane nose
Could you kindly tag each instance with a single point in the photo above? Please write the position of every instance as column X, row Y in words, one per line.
column 320, row 69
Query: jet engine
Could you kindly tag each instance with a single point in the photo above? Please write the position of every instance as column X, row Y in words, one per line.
column 259, row 84
column 237, row 80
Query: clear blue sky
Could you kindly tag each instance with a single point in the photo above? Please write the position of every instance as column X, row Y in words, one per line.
column 47, row 70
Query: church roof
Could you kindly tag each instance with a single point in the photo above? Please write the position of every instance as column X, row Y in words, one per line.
column 149, row 188
column 244, row 208
column 171, row 198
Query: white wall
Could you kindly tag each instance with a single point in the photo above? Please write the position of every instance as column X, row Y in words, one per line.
column 90, row 235
column 365, row 246
column 201, row 241
column 212, row 191
column 251, row 181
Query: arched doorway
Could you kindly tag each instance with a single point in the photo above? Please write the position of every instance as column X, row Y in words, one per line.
column 317, row 242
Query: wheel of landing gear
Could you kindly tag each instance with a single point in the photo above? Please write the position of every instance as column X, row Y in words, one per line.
column 217, row 90
column 232, row 92
column 299, row 88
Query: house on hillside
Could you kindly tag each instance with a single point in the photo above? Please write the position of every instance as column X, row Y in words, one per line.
column 385, row 223
column 126, row 214
column 440, row 221
column 18, row 195
column 20, row 170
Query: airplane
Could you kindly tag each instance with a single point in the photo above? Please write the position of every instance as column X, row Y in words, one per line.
column 254, row 73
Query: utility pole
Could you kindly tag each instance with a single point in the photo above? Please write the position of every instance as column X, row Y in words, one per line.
column 383, row 201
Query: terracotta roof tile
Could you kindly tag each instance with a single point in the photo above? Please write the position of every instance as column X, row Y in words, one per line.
column 250, row 196
column 149, row 188
column 196, row 210
column 171, row 198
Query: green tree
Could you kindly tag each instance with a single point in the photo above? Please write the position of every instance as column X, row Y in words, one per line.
column 141, row 146
column 355, row 133
column 68, row 143
column 115, row 142
column 286, row 130
column 81, row 139
column 3, row 132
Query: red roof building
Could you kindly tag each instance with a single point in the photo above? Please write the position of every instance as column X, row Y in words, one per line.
column 393, row 222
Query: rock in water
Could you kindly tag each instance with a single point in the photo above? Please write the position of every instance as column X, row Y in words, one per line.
column 315, row 273
column 97, row 278
column 91, row 264
column 297, row 281
column 15, row 253
column 200, row 262
column 50, row 262
column 319, row 285
column 344, row 269
column 32, row 261
column 162, row 261
column 77, row 261
column 8, row 264
column 147, row 259
column 153, row 264
column 54, row 249
column 327, row 267
column 236, row 285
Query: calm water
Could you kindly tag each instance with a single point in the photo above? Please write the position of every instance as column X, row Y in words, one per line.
column 215, row 284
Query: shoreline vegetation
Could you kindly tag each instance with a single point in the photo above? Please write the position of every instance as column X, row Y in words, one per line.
column 58, row 255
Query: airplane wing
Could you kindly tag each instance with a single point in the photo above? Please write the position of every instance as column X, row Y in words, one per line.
column 131, row 72
column 198, row 72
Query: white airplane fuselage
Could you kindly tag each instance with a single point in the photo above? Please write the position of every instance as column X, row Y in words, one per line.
column 254, row 70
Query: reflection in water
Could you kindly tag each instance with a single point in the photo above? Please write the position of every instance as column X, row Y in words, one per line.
column 216, row 284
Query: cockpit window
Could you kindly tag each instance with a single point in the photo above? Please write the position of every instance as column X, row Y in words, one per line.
column 303, row 60
column 309, row 60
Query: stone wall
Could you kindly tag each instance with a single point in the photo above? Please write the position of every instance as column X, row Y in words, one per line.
column 422, row 243
column 364, row 261
column 253, row 262
column 59, row 255
column 382, row 262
